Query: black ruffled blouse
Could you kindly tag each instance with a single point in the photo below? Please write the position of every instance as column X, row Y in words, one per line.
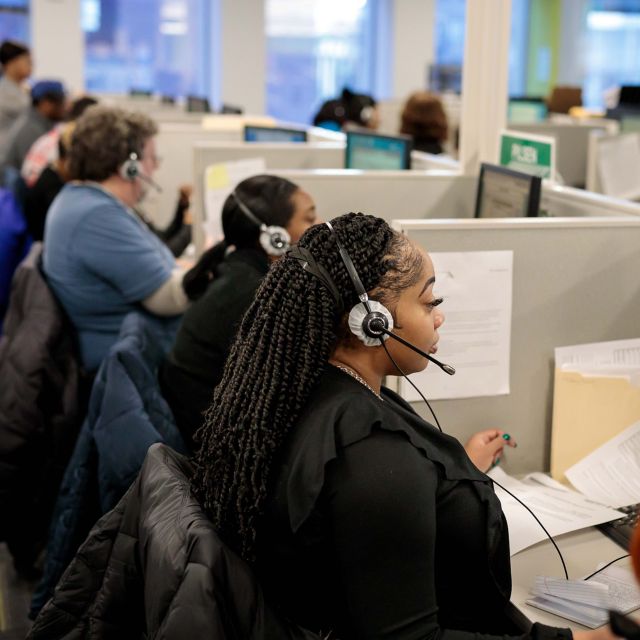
column 379, row 526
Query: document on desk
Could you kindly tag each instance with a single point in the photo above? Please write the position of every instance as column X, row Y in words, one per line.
column 611, row 474
column 588, row 601
column 219, row 181
column 476, row 337
column 560, row 509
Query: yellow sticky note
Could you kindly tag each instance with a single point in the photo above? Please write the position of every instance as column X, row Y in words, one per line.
column 217, row 177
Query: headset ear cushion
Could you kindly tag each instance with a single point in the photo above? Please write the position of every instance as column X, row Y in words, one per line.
column 130, row 169
column 357, row 317
column 275, row 240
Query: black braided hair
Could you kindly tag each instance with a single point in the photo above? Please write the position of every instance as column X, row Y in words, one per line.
column 279, row 354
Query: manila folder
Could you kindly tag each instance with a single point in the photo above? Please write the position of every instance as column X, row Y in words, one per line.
column 588, row 411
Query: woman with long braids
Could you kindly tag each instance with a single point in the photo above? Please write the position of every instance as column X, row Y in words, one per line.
column 360, row 518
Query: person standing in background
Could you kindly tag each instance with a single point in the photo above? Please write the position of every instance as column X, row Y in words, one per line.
column 15, row 59
column 48, row 107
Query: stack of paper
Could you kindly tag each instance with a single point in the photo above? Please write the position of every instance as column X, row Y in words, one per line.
column 587, row 602
column 560, row 509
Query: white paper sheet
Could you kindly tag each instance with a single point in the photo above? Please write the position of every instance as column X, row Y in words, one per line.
column 600, row 356
column 476, row 335
column 219, row 181
column 611, row 474
column 560, row 509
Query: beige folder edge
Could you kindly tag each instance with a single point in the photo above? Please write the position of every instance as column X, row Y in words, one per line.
column 588, row 411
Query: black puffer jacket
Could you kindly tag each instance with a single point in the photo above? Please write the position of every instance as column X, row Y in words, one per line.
column 155, row 568
column 41, row 408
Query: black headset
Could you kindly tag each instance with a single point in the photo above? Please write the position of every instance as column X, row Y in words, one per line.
column 275, row 240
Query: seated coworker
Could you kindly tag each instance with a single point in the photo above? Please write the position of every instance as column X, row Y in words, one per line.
column 424, row 119
column 38, row 198
column 100, row 259
column 361, row 519
column 194, row 366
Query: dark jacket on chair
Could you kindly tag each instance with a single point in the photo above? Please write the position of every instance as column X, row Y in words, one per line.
column 126, row 416
column 40, row 408
column 155, row 568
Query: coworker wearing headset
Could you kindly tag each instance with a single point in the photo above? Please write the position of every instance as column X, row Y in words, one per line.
column 99, row 258
column 260, row 220
column 361, row 518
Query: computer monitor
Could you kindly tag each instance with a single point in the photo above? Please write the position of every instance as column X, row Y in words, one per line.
column 526, row 111
column 630, row 123
column 629, row 95
column 505, row 193
column 374, row 151
column 254, row 133
column 197, row 104
column 136, row 92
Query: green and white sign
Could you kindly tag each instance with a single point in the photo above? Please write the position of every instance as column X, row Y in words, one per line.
column 535, row 155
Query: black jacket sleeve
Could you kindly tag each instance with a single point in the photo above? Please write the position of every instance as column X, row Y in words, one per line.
column 380, row 497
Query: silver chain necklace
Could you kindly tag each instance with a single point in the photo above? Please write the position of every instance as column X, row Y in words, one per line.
column 356, row 376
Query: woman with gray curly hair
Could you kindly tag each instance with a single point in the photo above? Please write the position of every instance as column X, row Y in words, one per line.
column 99, row 257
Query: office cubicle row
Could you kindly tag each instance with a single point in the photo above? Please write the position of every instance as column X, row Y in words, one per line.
column 569, row 288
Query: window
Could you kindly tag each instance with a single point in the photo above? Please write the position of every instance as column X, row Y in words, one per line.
column 157, row 45
column 612, row 48
column 450, row 34
column 14, row 20
column 317, row 47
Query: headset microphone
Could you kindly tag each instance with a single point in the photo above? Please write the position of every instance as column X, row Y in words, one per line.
column 150, row 182
column 447, row 368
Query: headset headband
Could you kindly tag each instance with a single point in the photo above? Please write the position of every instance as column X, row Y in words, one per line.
column 247, row 212
column 351, row 269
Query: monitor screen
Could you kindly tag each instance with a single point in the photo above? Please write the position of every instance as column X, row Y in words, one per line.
column 372, row 151
column 630, row 124
column 196, row 104
column 273, row 134
column 526, row 111
column 504, row 193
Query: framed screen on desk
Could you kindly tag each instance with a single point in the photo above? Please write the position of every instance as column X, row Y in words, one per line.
column 369, row 151
column 505, row 193
column 253, row 133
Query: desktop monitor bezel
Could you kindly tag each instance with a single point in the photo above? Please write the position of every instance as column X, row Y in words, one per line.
column 287, row 130
column 535, row 188
column 406, row 155
column 203, row 101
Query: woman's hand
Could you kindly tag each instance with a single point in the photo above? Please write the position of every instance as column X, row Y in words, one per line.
column 485, row 447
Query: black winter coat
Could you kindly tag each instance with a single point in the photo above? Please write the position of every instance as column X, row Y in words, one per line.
column 155, row 568
column 40, row 408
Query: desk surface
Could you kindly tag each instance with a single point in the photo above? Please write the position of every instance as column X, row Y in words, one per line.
column 583, row 551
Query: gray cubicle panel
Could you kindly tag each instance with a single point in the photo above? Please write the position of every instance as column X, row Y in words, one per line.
column 389, row 194
column 174, row 145
column 575, row 281
column 560, row 201
column 572, row 142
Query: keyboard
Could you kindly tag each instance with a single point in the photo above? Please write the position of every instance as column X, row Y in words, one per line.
column 621, row 530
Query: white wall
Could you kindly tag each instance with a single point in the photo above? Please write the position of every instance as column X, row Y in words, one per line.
column 413, row 45
column 58, row 42
column 243, row 54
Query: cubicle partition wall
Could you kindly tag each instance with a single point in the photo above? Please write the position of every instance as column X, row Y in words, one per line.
column 613, row 164
column 389, row 194
column 569, row 287
column 572, row 141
